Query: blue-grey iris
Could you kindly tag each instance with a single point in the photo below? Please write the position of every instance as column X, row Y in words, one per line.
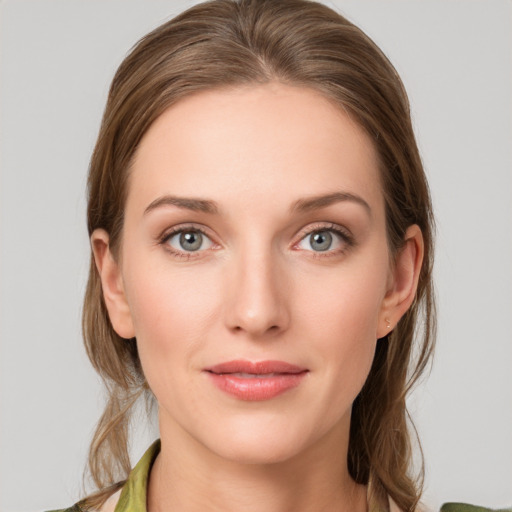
column 321, row 240
column 191, row 240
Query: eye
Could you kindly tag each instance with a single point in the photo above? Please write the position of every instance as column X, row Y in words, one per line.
column 187, row 240
column 326, row 239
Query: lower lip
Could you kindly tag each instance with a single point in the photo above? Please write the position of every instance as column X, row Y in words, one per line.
column 256, row 388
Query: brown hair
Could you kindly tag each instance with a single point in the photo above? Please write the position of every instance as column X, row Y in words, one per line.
column 229, row 42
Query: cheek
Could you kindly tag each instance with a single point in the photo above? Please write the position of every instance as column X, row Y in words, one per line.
column 172, row 311
column 341, row 314
column 345, row 340
column 344, row 304
column 163, row 296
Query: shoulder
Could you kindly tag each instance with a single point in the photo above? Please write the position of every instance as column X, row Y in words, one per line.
column 464, row 507
column 108, row 506
column 451, row 507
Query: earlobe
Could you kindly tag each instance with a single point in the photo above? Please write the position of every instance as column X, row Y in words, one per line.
column 112, row 284
column 404, row 278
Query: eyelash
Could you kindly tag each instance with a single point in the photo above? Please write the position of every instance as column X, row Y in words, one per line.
column 343, row 234
column 182, row 229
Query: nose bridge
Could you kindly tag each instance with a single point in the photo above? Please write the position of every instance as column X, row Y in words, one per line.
column 258, row 303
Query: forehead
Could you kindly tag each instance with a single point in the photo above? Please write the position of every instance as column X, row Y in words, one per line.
column 268, row 143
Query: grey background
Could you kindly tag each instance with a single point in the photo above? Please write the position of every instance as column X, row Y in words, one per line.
column 57, row 58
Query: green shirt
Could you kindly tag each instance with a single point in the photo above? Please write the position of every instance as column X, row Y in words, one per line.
column 133, row 496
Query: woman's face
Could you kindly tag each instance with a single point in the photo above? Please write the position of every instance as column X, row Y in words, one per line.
column 254, row 270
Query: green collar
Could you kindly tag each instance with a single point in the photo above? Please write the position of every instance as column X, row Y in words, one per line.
column 133, row 496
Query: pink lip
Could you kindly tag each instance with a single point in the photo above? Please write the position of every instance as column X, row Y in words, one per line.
column 285, row 376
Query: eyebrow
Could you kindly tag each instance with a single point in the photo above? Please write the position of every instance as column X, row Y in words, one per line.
column 187, row 203
column 316, row 202
column 302, row 205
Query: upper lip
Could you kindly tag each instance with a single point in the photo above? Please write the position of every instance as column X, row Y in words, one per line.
column 257, row 368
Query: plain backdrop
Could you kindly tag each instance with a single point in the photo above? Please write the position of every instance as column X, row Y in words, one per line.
column 57, row 58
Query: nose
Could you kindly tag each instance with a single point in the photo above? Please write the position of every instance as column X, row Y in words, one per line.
column 259, row 301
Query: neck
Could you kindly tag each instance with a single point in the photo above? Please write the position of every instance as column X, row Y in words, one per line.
column 188, row 476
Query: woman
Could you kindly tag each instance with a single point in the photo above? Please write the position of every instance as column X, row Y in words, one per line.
column 261, row 232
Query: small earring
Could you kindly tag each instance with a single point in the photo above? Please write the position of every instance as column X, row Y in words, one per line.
column 388, row 323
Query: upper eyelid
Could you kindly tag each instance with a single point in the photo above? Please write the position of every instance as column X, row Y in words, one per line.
column 167, row 233
column 328, row 226
column 339, row 231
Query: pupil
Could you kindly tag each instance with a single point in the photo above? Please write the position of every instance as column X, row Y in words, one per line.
column 321, row 241
column 191, row 240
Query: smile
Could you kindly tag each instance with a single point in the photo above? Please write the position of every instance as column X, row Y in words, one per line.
column 258, row 381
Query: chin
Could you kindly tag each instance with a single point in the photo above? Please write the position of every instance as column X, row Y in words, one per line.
column 260, row 443
column 272, row 452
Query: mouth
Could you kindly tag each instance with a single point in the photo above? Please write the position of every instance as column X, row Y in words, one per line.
column 256, row 381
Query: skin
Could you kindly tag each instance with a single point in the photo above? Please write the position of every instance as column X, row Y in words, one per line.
column 258, row 289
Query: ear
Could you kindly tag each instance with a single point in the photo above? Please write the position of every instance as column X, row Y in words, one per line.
column 402, row 281
column 112, row 284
